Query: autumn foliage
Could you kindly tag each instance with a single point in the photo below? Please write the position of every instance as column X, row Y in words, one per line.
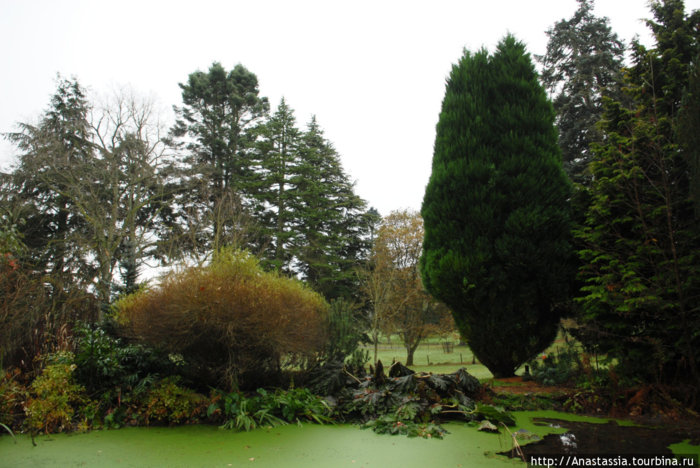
column 231, row 321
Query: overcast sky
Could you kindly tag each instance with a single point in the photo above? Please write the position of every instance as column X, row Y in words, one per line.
column 373, row 72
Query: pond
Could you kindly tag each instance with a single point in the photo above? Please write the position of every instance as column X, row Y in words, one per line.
column 287, row 446
column 571, row 435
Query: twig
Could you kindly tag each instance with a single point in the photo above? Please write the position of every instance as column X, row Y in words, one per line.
column 356, row 379
column 516, row 446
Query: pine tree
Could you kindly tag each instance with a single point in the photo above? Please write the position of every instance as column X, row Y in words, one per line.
column 642, row 234
column 495, row 209
column 279, row 158
column 583, row 63
column 217, row 126
column 332, row 221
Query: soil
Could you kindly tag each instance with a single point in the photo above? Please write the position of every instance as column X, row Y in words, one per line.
column 516, row 385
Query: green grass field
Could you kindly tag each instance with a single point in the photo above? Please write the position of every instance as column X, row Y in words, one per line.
column 431, row 356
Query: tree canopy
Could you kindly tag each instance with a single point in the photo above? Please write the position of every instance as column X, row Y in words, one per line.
column 641, row 235
column 582, row 64
column 495, row 209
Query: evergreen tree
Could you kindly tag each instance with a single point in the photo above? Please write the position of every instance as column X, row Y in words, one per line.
column 216, row 125
column 279, row 160
column 689, row 123
column 583, row 63
column 332, row 222
column 495, row 209
column 52, row 223
column 642, row 234
column 95, row 182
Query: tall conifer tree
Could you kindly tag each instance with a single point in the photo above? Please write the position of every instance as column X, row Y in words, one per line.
column 642, row 234
column 583, row 63
column 279, row 161
column 332, row 220
column 216, row 125
column 495, row 209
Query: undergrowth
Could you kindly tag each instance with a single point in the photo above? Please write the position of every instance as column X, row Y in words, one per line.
column 269, row 409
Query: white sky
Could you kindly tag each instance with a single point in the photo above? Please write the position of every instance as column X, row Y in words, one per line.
column 373, row 72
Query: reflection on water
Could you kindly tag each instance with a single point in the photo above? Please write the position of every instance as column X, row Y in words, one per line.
column 568, row 441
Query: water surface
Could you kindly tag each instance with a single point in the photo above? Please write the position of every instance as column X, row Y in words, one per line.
column 287, row 446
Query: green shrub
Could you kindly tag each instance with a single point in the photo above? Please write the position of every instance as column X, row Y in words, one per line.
column 270, row 409
column 345, row 330
column 343, row 356
column 105, row 365
column 557, row 369
column 168, row 402
column 232, row 322
column 56, row 402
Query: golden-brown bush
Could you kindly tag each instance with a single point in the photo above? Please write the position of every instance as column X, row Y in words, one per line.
column 229, row 319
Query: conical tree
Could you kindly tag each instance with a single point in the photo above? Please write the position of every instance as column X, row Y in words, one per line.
column 279, row 158
column 333, row 222
column 495, row 209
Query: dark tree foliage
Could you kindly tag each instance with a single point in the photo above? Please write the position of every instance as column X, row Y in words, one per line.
column 313, row 222
column 51, row 221
column 689, row 123
column 495, row 209
column 332, row 223
column 218, row 109
column 216, row 125
column 642, row 234
column 89, row 188
column 583, row 63
column 276, row 189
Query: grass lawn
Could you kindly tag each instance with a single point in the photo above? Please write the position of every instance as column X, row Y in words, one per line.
column 431, row 356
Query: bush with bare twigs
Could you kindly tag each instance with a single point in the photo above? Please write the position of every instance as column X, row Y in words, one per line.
column 234, row 324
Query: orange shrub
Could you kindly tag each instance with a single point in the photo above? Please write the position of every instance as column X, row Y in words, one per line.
column 230, row 319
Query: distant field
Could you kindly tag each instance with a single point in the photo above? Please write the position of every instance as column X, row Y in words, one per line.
column 431, row 357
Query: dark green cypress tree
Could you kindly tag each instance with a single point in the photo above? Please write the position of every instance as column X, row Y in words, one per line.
column 495, row 209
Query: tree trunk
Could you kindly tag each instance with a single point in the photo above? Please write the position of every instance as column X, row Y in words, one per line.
column 409, row 356
column 410, row 351
column 376, row 347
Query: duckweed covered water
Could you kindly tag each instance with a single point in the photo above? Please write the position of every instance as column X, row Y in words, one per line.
column 287, row 446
